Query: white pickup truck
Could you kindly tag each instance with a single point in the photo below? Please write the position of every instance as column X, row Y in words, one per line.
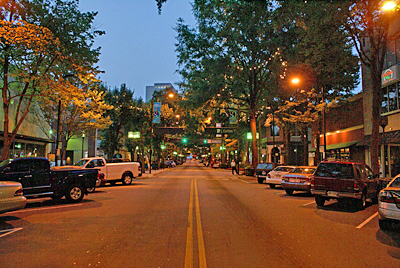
column 113, row 172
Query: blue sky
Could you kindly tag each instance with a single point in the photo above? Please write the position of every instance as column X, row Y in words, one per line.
column 138, row 48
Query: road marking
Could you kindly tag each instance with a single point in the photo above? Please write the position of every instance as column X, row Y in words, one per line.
column 9, row 231
column 367, row 221
column 200, row 240
column 311, row 203
column 189, row 234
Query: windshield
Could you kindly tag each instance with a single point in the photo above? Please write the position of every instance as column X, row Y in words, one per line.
column 4, row 163
column 395, row 183
column 335, row 170
column 81, row 162
column 265, row 166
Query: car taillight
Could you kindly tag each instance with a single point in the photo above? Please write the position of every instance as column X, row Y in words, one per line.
column 356, row 186
column 312, row 181
column 389, row 197
column 269, row 176
column 19, row 192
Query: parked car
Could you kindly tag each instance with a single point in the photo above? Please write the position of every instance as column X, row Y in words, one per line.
column 389, row 204
column 299, row 179
column 263, row 169
column 11, row 196
column 170, row 163
column 274, row 177
column 39, row 180
column 122, row 170
column 344, row 181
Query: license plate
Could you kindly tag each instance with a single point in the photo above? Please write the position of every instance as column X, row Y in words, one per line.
column 294, row 180
column 332, row 194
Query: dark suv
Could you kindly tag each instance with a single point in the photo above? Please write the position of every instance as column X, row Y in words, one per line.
column 344, row 181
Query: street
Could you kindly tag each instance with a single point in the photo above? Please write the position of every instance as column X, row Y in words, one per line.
column 194, row 216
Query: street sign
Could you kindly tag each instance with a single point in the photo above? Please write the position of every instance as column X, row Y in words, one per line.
column 222, row 130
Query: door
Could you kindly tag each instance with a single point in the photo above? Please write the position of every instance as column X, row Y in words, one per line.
column 40, row 172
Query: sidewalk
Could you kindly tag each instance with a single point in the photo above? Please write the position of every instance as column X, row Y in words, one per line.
column 146, row 174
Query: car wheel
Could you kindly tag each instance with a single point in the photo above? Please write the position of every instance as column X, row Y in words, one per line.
column 361, row 203
column 272, row 186
column 289, row 191
column 320, row 200
column 260, row 180
column 384, row 224
column 91, row 189
column 126, row 179
column 74, row 193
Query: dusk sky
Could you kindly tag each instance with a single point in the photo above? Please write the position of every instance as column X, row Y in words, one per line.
column 138, row 48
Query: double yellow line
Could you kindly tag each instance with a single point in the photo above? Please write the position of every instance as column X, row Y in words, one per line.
column 189, row 235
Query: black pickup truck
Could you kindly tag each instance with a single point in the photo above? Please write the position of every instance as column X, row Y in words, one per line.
column 38, row 179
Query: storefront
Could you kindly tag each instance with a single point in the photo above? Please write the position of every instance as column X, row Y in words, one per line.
column 25, row 146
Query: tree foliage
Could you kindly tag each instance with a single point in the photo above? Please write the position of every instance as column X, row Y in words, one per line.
column 40, row 41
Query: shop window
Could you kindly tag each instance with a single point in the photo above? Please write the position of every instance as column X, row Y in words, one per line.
column 392, row 94
column 384, row 98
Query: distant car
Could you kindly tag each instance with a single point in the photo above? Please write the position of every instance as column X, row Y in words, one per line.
column 170, row 163
column 262, row 170
column 389, row 204
column 11, row 196
column 299, row 179
column 274, row 177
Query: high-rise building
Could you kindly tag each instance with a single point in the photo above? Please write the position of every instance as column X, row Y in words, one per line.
column 157, row 87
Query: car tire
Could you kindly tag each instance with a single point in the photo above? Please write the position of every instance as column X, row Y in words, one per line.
column 384, row 224
column 320, row 200
column 289, row 191
column 361, row 203
column 260, row 180
column 74, row 193
column 126, row 179
column 272, row 186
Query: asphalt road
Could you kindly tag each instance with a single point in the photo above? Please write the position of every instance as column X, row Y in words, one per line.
column 193, row 216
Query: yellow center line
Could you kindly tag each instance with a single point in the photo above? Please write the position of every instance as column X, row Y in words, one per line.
column 200, row 241
column 189, row 234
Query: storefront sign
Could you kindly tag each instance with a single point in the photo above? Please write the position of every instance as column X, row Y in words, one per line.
column 390, row 75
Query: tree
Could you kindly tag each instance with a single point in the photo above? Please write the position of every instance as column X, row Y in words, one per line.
column 122, row 115
column 368, row 28
column 325, row 66
column 232, row 54
column 34, row 56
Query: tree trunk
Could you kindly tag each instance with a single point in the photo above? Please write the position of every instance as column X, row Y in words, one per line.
column 376, row 108
column 254, row 149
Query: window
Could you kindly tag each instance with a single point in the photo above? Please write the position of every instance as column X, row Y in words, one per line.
column 39, row 165
column 335, row 170
column 19, row 166
column 384, row 97
column 392, row 94
column 275, row 130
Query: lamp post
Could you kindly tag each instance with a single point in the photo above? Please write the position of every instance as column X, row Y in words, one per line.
column 83, row 143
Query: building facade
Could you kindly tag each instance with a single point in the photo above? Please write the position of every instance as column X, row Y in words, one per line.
column 157, row 87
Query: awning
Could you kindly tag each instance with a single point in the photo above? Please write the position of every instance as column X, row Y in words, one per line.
column 340, row 145
column 389, row 138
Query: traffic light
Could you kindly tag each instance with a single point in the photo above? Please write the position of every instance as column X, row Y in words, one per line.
column 184, row 140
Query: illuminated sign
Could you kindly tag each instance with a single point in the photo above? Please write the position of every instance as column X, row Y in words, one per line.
column 390, row 75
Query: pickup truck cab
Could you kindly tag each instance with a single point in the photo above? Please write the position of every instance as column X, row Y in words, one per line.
column 39, row 180
column 344, row 181
column 113, row 172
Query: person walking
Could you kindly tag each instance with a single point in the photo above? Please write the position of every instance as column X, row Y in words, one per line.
column 237, row 166
column 233, row 166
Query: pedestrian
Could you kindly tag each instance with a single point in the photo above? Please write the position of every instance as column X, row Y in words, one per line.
column 233, row 166
column 237, row 166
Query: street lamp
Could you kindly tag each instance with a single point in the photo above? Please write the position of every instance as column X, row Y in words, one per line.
column 155, row 95
column 83, row 142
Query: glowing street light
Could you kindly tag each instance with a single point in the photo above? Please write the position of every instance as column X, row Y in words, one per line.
column 388, row 5
column 295, row 81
